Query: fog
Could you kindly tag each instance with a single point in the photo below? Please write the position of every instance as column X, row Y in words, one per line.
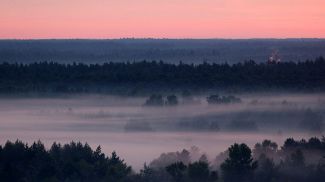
column 141, row 133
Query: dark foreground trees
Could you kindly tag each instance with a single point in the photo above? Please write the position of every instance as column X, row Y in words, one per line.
column 295, row 161
column 70, row 162
column 177, row 171
column 239, row 166
column 195, row 172
column 200, row 171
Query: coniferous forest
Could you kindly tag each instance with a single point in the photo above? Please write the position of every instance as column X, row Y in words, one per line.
column 298, row 161
column 137, row 77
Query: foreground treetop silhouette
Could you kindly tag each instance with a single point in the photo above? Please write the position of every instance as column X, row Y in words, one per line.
column 78, row 162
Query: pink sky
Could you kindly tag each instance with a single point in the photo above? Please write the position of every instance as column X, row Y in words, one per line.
column 33, row 19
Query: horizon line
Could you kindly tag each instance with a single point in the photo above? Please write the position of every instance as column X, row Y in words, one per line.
column 152, row 38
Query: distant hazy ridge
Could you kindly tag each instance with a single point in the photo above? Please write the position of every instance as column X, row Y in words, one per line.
column 168, row 50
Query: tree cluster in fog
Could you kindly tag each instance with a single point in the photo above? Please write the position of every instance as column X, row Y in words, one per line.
column 159, row 100
column 232, row 113
column 172, row 100
column 137, row 77
column 216, row 99
column 294, row 161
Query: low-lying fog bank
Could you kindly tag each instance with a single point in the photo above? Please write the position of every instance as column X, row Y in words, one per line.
column 140, row 133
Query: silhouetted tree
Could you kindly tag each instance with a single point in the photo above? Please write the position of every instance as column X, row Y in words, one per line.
column 239, row 166
column 267, row 147
column 266, row 171
column 200, row 172
column 172, row 100
column 117, row 169
column 148, row 174
column 177, row 171
column 155, row 100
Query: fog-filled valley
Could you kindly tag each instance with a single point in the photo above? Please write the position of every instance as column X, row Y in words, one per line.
column 162, row 110
column 140, row 133
column 162, row 91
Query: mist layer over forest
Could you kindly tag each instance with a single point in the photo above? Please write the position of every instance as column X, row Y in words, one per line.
column 167, row 50
column 139, row 133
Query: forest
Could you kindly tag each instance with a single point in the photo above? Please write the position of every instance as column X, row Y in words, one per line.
column 296, row 161
column 169, row 50
column 162, row 91
column 140, row 77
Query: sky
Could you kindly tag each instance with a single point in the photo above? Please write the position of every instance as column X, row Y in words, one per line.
column 110, row 19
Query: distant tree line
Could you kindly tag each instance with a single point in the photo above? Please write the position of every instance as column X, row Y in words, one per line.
column 158, row 100
column 132, row 78
column 172, row 100
column 216, row 99
column 298, row 161
column 169, row 50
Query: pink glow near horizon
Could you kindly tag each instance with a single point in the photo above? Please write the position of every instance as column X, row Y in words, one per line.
column 32, row 19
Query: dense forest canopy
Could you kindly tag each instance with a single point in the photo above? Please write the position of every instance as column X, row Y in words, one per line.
column 169, row 50
column 138, row 76
column 298, row 161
